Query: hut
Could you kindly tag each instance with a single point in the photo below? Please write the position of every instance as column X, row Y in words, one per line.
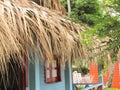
column 36, row 46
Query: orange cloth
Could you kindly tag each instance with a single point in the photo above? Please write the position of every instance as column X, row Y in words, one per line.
column 116, row 76
column 105, row 77
column 94, row 72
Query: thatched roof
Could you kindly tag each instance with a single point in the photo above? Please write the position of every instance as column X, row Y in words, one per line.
column 51, row 4
column 27, row 26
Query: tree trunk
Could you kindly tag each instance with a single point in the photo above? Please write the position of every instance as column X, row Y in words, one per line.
column 110, row 78
column 69, row 6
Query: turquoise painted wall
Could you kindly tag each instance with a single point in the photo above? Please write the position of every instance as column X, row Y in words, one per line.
column 31, row 76
column 55, row 86
column 37, row 81
column 68, row 76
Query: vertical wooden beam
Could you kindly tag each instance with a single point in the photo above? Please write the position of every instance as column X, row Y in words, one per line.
column 100, row 87
column 68, row 76
column 99, row 74
column 31, row 84
column 70, row 73
column 37, row 73
column 34, row 75
column 27, row 88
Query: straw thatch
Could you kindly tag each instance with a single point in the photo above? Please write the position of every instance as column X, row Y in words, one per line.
column 26, row 26
column 51, row 4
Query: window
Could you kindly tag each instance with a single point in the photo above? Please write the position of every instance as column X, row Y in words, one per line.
column 52, row 72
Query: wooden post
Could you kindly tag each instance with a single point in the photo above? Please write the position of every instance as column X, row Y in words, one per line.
column 100, row 87
column 37, row 73
column 69, row 6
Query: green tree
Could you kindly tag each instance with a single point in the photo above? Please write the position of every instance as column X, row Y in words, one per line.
column 85, row 11
column 109, row 27
column 104, row 18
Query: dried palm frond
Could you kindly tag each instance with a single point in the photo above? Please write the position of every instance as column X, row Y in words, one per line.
column 51, row 4
column 24, row 24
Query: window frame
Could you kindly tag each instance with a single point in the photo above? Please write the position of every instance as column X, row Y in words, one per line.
column 52, row 79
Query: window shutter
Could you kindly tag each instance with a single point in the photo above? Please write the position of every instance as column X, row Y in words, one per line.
column 52, row 72
column 47, row 72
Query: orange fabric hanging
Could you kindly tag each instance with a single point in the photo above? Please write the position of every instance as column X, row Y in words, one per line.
column 94, row 72
column 116, row 76
column 105, row 77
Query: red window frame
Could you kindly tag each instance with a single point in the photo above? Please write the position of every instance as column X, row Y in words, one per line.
column 52, row 72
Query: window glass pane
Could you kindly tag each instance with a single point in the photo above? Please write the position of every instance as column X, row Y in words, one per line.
column 47, row 64
column 54, row 65
column 54, row 73
column 47, row 74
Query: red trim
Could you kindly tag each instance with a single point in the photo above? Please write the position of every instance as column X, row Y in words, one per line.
column 26, row 69
column 54, row 79
column 48, row 80
column 50, row 69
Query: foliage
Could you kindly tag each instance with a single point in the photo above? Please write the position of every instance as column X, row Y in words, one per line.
column 110, row 27
column 107, row 30
column 85, row 11
column 80, row 67
column 79, row 87
column 104, row 19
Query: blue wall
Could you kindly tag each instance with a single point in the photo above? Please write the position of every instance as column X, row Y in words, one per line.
column 37, row 81
column 68, row 76
column 55, row 86
column 31, row 76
